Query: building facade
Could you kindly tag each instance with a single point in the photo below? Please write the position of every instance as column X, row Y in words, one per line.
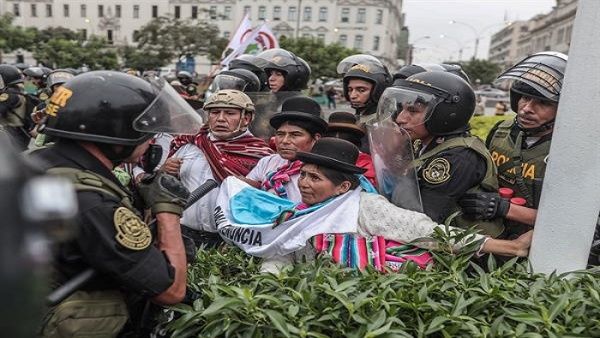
column 544, row 32
column 371, row 26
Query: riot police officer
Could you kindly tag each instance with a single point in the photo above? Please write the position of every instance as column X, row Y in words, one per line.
column 238, row 79
column 435, row 108
column 101, row 119
column 286, row 72
column 520, row 147
column 251, row 63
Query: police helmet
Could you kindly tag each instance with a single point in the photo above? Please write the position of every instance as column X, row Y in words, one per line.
column 295, row 70
column 110, row 107
column 240, row 79
column 10, row 75
column 230, row 98
column 368, row 68
column 34, row 72
column 251, row 62
column 184, row 77
column 58, row 77
column 447, row 99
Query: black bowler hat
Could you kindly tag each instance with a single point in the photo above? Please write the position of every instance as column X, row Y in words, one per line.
column 300, row 108
column 344, row 121
column 333, row 153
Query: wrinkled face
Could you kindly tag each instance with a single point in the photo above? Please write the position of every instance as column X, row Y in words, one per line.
column 225, row 123
column 315, row 187
column 359, row 92
column 276, row 80
column 412, row 119
column 289, row 139
column 533, row 112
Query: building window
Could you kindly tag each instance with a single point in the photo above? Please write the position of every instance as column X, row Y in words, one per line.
column 48, row 10
column 248, row 10
column 100, row 11
column 358, row 42
column 560, row 35
column 306, row 35
column 155, row 11
column 226, row 35
column 323, row 14
column 33, row 10
column 292, row 13
column 66, row 10
column 136, row 11
column 262, row 12
column 109, row 36
column 379, row 17
column 343, row 40
column 212, row 12
column 321, row 37
column 361, row 15
column 307, row 14
column 136, row 36
column 118, row 11
column 276, row 13
column 345, row 14
column 376, row 43
column 83, row 11
column 568, row 34
column 194, row 12
column 16, row 10
column 83, row 34
column 177, row 12
column 227, row 13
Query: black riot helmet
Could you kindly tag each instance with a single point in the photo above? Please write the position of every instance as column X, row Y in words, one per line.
column 294, row 68
column 10, row 75
column 109, row 107
column 251, row 63
column 240, row 79
column 456, row 70
column 368, row 68
column 58, row 77
column 34, row 72
column 447, row 100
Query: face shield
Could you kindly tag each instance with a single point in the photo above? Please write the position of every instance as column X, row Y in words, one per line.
column 59, row 77
column 408, row 106
column 277, row 56
column 168, row 113
column 224, row 81
column 543, row 71
column 366, row 63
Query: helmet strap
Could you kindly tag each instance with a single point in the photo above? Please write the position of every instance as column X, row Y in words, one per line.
column 534, row 131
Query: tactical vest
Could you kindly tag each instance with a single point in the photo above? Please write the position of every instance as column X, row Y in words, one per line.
column 89, row 313
column 489, row 183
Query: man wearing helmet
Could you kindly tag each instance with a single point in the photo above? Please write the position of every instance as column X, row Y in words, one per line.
column 223, row 147
column 520, row 147
column 435, row 108
column 100, row 120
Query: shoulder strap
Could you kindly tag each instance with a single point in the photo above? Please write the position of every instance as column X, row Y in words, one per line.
column 85, row 180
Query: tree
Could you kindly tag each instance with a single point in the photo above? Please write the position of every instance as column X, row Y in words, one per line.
column 165, row 38
column 14, row 37
column 483, row 70
column 63, row 53
column 323, row 59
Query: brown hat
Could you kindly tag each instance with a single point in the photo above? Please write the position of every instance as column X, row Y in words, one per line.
column 344, row 121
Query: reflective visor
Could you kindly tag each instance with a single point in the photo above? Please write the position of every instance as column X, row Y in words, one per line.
column 59, row 77
column 395, row 101
column 363, row 62
column 223, row 81
column 168, row 113
column 541, row 73
column 277, row 56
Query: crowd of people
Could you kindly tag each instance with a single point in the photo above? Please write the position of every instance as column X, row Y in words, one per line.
column 361, row 186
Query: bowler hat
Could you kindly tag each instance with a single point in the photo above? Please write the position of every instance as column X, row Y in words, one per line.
column 333, row 153
column 300, row 108
column 344, row 121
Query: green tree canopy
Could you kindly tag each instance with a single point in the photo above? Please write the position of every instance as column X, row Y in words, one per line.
column 165, row 38
column 14, row 37
column 323, row 59
column 63, row 53
column 483, row 70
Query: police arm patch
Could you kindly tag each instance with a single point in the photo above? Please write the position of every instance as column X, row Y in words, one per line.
column 132, row 232
column 437, row 171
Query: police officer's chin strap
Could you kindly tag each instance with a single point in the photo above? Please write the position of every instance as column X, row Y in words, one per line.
column 109, row 150
column 537, row 130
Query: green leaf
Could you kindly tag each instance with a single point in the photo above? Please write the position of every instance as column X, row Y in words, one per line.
column 278, row 321
column 436, row 324
column 558, row 306
column 220, row 304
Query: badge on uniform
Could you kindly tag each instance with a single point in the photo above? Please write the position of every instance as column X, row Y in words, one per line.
column 132, row 232
column 437, row 171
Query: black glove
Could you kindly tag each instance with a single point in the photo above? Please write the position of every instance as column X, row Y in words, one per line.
column 484, row 205
column 163, row 193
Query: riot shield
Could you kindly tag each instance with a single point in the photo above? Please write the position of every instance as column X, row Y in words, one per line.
column 392, row 154
column 267, row 104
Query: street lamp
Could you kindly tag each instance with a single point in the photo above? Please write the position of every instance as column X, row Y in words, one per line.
column 478, row 34
column 411, row 46
column 460, row 45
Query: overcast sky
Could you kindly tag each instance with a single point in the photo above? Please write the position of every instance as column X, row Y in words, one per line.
column 432, row 17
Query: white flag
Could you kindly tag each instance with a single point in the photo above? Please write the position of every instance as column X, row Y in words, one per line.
column 241, row 34
column 259, row 39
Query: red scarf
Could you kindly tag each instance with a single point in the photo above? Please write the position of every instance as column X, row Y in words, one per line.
column 226, row 157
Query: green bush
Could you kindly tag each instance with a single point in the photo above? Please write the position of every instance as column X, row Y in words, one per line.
column 453, row 298
column 481, row 125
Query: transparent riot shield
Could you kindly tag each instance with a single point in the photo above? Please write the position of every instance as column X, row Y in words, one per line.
column 392, row 154
column 267, row 104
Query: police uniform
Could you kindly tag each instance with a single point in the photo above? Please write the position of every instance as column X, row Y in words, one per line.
column 521, row 165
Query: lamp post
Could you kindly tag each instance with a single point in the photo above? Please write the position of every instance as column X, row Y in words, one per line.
column 478, row 34
column 298, row 18
column 411, row 46
column 460, row 45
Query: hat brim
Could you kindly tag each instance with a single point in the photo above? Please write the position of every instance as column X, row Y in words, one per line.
column 348, row 127
column 329, row 162
column 278, row 119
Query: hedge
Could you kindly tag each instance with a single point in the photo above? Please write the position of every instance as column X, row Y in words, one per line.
column 481, row 125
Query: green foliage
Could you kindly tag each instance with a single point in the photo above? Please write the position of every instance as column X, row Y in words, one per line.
column 165, row 38
column 62, row 53
column 481, row 125
column 454, row 298
column 323, row 59
column 483, row 70
column 14, row 37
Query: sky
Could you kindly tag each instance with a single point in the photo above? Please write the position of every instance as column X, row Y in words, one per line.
column 432, row 18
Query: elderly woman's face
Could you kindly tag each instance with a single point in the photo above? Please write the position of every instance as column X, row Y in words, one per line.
column 315, row 187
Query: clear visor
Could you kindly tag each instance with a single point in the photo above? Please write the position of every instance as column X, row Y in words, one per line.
column 59, row 77
column 168, row 113
column 413, row 105
column 277, row 56
column 367, row 63
column 223, row 81
column 2, row 85
column 545, row 77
